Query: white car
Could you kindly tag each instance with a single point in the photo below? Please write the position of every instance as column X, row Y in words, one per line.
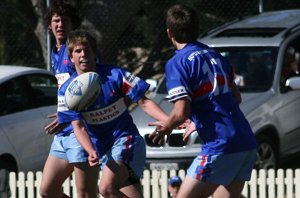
column 257, row 47
column 27, row 96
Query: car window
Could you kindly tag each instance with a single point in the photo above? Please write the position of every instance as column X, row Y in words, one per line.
column 27, row 92
column 291, row 64
column 254, row 67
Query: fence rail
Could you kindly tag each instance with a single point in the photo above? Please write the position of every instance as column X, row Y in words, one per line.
column 263, row 184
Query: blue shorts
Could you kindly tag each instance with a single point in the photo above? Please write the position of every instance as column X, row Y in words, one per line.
column 130, row 150
column 223, row 169
column 68, row 148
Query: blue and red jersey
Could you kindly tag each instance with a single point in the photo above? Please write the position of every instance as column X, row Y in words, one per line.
column 205, row 77
column 61, row 64
column 108, row 118
column 62, row 68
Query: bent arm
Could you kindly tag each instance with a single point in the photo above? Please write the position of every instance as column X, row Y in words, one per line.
column 85, row 141
column 152, row 109
column 236, row 93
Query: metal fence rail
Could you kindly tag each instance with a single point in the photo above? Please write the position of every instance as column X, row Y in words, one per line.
column 263, row 184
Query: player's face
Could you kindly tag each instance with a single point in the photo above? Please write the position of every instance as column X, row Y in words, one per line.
column 83, row 57
column 174, row 190
column 60, row 26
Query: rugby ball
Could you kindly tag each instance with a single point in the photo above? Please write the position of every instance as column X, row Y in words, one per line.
column 82, row 91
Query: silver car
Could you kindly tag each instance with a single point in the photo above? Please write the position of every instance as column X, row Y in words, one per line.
column 257, row 47
column 27, row 96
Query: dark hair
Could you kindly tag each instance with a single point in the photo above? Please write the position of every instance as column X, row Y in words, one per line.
column 62, row 8
column 183, row 22
column 77, row 37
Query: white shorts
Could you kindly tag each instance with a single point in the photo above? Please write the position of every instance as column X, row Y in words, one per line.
column 223, row 169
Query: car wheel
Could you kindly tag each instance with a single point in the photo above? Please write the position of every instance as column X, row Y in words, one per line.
column 266, row 153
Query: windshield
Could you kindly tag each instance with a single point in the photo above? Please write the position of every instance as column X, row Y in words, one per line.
column 254, row 67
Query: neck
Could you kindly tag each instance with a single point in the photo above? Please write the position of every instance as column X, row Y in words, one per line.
column 177, row 45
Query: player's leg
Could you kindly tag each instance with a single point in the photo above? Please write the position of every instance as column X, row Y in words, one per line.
column 132, row 186
column 113, row 175
column 124, row 165
column 193, row 188
column 245, row 161
column 86, row 179
column 233, row 190
column 56, row 169
column 55, row 172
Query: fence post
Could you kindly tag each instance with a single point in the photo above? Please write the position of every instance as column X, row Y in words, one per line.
column 271, row 183
column 253, row 184
column 289, row 183
column 21, row 184
column 155, row 184
column 280, row 183
column 29, row 184
column 13, row 184
column 262, row 183
column 37, row 183
column 297, row 183
column 146, row 182
column 164, row 184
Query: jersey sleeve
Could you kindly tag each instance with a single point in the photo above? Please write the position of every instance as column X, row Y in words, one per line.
column 177, row 81
column 133, row 86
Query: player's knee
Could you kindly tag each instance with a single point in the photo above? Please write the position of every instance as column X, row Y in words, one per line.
column 107, row 190
column 43, row 192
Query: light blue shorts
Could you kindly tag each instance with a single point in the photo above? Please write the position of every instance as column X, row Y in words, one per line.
column 68, row 148
column 130, row 150
column 223, row 169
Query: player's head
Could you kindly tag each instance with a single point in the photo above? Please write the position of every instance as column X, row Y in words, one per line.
column 182, row 23
column 62, row 14
column 82, row 50
column 174, row 184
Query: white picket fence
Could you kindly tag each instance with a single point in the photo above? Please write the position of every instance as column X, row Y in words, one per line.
column 264, row 184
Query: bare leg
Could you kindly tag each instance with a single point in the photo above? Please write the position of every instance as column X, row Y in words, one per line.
column 232, row 191
column 132, row 190
column 192, row 188
column 114, row 182
column 86, row 178
column 54, row 174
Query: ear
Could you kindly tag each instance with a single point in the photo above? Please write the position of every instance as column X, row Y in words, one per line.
column 170, row 34
column 72, row 60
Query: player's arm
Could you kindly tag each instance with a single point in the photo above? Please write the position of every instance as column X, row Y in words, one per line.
column 152, row 109
column 54, row 127
column 236, row 93
column 85, row 141
column 179, row 114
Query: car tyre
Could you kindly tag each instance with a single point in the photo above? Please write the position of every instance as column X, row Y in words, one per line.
column 266, row 153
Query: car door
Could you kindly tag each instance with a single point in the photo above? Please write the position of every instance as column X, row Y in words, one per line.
column 288, row 113
column 22, row 119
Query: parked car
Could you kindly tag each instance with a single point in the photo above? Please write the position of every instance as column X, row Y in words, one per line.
column 27, row 96
column 257, row 47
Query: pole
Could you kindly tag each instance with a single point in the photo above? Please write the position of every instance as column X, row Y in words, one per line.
column 48, row 44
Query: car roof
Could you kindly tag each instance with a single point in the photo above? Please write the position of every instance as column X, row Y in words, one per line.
column 7, row 71
column 265, row 29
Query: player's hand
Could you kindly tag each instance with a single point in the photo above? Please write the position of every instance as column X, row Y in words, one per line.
column 189, row 129
column 93, row 158
column 54, row 127
column 158, row 136
column 186, row 123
